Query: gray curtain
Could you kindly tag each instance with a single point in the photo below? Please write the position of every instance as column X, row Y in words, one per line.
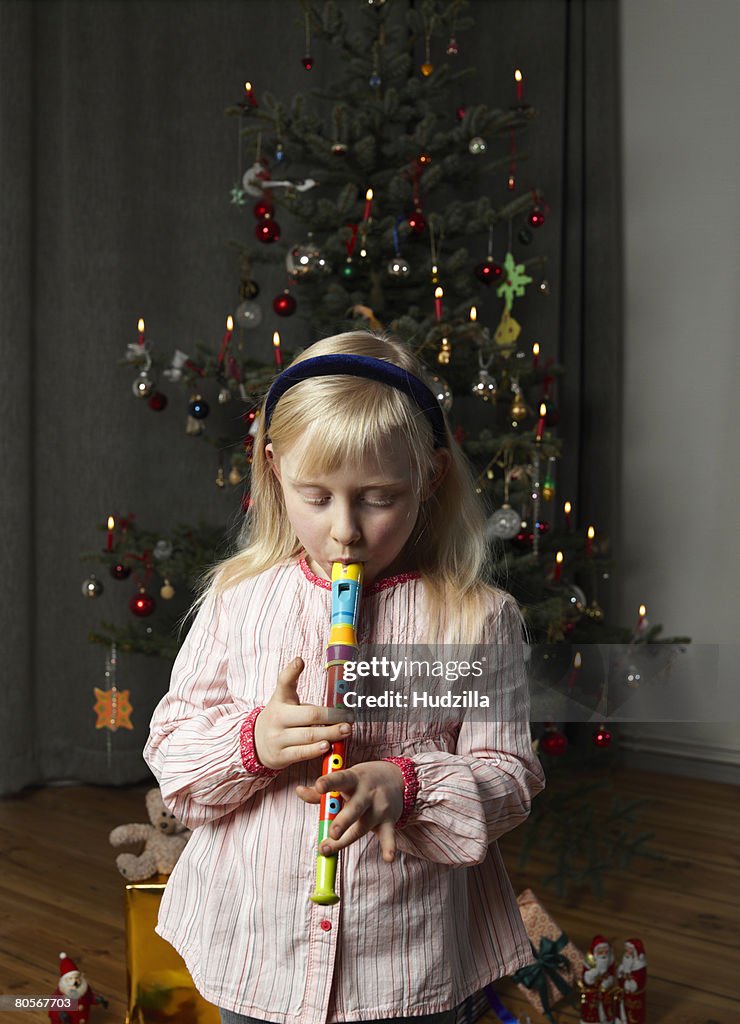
column 115, row 171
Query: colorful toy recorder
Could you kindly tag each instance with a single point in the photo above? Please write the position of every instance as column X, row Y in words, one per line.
column 346, row 587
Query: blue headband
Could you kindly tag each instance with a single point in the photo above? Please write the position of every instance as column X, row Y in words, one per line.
column 361, row 366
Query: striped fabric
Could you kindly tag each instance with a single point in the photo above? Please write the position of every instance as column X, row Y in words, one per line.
column 413, row 937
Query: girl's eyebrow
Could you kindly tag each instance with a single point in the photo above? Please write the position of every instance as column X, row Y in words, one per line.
column 372, row 486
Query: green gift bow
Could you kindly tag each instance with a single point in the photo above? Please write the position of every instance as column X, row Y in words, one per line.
column 546, row 965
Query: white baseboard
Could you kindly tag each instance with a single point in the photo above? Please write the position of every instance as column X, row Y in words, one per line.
column 681, row 755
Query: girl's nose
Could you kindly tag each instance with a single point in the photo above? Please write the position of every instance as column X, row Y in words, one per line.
column 344, row 528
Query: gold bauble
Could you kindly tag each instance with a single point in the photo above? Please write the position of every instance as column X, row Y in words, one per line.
column 427, row 68
column 518, row 407
column 166, row 591
column 235, row 476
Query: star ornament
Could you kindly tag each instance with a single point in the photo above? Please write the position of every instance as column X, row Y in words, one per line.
column 113, row 709
column 514, row 281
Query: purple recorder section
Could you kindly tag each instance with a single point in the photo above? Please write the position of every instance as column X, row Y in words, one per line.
column 341, row 652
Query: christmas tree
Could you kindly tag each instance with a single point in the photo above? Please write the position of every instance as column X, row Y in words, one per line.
column 389, row 201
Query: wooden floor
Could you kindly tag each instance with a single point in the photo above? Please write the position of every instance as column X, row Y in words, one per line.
column 59, row 890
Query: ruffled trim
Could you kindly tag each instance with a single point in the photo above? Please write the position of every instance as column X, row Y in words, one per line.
column 246, row 744
column 410, row 786
column 374, row 588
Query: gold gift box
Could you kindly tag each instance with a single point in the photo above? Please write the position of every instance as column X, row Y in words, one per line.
column 160, row 989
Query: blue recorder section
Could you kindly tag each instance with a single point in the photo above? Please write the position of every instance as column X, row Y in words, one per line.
column 345, row 600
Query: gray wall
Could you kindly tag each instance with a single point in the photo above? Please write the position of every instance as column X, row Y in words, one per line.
column 681, row 471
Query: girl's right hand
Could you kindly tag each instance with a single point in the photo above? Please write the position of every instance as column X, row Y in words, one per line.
column 286, row 731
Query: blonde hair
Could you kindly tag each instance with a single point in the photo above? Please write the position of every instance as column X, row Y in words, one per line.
column 343, row 419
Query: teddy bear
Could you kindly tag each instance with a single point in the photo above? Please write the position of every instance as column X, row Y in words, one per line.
column 164, row 840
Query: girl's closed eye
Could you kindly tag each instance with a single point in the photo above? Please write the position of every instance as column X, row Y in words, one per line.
column 373, row 502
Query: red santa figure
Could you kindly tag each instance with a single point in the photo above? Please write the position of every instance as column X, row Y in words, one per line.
column 632, row 976
column 597, row 983
column 72, row 983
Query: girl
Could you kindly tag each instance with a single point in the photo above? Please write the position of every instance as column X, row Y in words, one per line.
column 353, row 462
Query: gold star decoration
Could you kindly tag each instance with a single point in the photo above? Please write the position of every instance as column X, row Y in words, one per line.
column 113, row 709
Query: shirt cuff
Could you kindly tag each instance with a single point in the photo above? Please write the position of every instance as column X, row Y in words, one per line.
column 248, row 751
column 410, row 786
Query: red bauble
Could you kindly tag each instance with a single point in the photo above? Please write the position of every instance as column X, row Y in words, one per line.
column 120, row 571
column 417, row 222
column 460, row 113
column 284, row 304
column 307, row 62
column 246, row 503
column 142, row 604
column 536, row 217
column 157, row 401
column 602, row 737
column 262, row 209
column 488, row 271
column 553, row 742
column 267, row 230
column 523, row 540
column 543, row 526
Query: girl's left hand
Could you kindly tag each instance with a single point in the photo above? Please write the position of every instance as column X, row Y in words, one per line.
column 373, row 801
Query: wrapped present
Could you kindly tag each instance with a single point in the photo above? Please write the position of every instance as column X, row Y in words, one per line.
column 475, row 1006
column 556, row 962
column 160, row 989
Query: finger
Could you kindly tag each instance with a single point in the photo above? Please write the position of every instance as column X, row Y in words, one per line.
column 386, row 834
column 305, row 751
column 308, row 794
column 342, row 782
column 318, row 734
column 352, row 811
column 286, row 689
column 358, row 829
column 316, row 715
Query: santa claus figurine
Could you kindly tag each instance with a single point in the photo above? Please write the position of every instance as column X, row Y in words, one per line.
column 72, row 983
column 632, row 976
column 597, row 983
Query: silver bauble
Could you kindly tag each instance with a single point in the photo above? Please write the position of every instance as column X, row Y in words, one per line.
column 398, row 267
column 440, row 389
column 248, row 314
column 92, row 587
column 477, row 145
column 143, row 386
column 162, row 550
column 484, row 387
column 504, row 523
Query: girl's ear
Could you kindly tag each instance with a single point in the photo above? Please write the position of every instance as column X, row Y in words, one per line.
column 272, row 459
column 442, row 463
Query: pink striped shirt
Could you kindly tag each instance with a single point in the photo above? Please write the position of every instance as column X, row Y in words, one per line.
column 412, row 937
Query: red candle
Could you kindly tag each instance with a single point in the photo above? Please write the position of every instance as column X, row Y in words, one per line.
column 535, row 355
column 573, row 677
column 368, row 204
column 249, row 93
column 557, row 571
column 642, row 622
column 438, row 293
column 541, row 423
column 141, row 330
column 278, row 353
column 227, row 338
column 567, row 507
column 591, row 533
column 519, row 80
column 111, row 525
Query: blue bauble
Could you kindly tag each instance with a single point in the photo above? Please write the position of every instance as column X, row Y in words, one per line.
column 199, row 409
